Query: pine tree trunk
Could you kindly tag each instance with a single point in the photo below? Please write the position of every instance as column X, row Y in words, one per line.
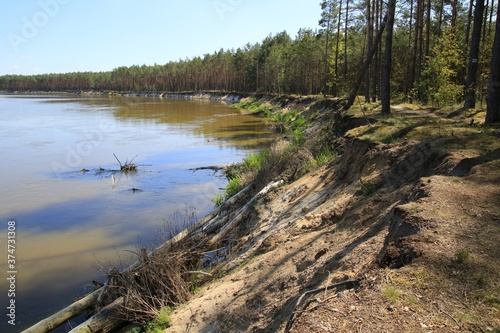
column 469, row 22
column 337, row 46
column 440, row 20
column 386, row 74
column 369, row 25
column 345, row 41
column 409, row 76
column 376, row 71
column 454, row 11
column 493, row 101
column 428, row 28
column 414, row 61
column 470, row 84
column 485, row 20
column 364, row 67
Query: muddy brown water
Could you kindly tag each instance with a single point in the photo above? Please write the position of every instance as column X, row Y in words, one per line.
column 72, row 224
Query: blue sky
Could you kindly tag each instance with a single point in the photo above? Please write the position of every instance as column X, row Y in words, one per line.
column 57, row 36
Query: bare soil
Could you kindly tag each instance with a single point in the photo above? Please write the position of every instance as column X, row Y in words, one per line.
column 413, row 225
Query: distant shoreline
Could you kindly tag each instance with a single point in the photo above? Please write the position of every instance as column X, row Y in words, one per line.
column 229, row 97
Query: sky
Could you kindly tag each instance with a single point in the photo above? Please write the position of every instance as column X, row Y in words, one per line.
column 60, row 36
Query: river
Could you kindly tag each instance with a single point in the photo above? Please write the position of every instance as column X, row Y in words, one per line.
column 72, row 215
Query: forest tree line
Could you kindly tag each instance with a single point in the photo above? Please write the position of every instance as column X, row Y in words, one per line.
column 431, row 44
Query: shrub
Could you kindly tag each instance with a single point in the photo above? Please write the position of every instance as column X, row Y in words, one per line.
column 442, row 81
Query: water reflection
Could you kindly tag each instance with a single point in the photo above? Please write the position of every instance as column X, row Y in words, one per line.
column 67, row 219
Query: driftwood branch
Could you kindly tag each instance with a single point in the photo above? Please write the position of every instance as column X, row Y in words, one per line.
column 214, row 168
column 198, row 272
column 317, row 300
column 289, row 324
column 119, row 163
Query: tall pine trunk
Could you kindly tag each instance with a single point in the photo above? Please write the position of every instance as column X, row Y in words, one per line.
column 345, row 41
column 377, row 12
column 337, row 46
column 470, row 84
column 369, row 24
column 440, row 20
column 427, row 28
column 409, row 77
column 386, row 74
column 469, row 22
column 361, row 74
column 493, row 101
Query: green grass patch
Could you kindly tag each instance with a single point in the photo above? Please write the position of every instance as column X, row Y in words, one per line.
column 161, row 322
column 254, row 106
column 324, row 157
column 218, row 199
column 462, row 255
column 488, row 297
column 255, row 161
column 292, row 120
column 233, row 186
column 391, row 292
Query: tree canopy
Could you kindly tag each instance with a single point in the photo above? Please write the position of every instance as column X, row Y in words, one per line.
column 430, row 50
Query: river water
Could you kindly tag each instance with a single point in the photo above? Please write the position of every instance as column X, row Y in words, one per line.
column 72, row 214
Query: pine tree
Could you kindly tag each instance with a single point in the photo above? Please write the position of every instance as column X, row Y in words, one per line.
column 470, row 84
column 493, row 100
column 385, row 87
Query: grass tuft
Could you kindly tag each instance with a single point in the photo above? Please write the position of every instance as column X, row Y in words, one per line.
column 462, row 255
column 161, row 322
column 391, row 292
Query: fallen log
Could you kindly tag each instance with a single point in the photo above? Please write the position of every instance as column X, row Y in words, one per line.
column 206, row 220
column 65, row 314
column 241, row 212
column 104, row 321
column 235, row 198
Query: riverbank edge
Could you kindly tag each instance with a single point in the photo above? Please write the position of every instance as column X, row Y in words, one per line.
column 275, row 103
column 228, row 97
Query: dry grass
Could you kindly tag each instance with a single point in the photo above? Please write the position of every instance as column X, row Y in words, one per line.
column 154, row 284
column 160, row 280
